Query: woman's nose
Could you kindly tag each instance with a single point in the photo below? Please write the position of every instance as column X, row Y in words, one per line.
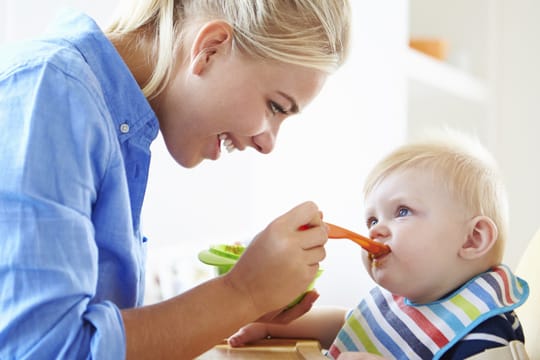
column 265, row 141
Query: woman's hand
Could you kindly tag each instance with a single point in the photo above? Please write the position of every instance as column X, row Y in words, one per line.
column 285, row 315
column 281, row 262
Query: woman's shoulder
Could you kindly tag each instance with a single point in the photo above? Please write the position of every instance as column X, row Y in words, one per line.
column 36, row 58
column 48, row 91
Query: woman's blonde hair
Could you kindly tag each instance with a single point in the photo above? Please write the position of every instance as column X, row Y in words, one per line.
column 310, row 33
column 464, row 167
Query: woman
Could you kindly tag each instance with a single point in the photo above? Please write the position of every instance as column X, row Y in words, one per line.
column 79, row 111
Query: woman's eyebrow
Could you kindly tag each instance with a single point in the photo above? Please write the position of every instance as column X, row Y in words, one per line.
column 294, row 106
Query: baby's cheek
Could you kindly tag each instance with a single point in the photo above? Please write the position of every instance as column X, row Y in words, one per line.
column 366, row 261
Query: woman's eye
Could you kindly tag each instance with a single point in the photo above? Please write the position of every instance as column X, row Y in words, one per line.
column 371, row 222
column 275, row 108
column 403, row 211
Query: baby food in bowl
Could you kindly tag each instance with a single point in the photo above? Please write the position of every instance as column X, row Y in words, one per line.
column 224, row 256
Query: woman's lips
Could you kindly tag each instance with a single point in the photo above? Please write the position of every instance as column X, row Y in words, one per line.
column 214, row 152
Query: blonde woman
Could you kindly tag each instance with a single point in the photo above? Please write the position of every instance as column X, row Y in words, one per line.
column 79, row 110
column 442, row 292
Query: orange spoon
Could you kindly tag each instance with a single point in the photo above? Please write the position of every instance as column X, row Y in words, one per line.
column 371, row 246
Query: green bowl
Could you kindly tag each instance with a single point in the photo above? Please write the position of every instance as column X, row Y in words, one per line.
column 224, row 256
column 309, row 288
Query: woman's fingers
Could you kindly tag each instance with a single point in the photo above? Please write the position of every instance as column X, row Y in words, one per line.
column 281, row 261
column 293, row 313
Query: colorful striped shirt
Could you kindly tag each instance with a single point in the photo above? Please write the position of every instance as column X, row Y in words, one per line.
column 395, row 328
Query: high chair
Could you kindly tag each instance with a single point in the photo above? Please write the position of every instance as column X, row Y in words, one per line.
column 529, row 313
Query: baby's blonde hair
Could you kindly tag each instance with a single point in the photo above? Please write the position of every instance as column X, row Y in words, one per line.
column 310, row 33
column 464, row 167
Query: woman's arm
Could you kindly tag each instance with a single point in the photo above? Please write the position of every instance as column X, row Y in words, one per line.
column 278, row 265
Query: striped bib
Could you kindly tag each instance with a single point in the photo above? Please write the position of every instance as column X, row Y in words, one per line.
column 393, row 327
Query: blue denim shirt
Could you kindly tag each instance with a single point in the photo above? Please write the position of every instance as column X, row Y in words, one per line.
column 75, row 132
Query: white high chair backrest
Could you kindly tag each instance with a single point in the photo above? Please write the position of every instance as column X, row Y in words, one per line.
column 529, row 313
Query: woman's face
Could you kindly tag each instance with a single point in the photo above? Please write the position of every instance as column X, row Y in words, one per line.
column 425, row 227
column 222, row 93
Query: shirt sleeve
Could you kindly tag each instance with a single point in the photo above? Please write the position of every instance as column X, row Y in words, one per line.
column 54, row 150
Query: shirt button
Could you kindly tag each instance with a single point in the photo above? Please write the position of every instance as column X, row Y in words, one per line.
column 124, row 128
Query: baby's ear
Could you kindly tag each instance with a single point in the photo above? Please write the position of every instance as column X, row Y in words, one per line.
column 481, row 237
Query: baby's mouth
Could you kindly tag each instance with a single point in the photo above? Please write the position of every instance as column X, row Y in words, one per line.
column 376, row 259
column 226, row 142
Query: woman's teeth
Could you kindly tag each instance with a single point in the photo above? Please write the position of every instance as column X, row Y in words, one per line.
column 227, row 143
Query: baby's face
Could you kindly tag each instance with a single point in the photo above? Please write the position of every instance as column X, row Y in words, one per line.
column 425, row 226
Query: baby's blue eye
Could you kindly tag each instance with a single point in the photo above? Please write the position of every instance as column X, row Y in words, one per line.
column 403, row 211
column 371, row 222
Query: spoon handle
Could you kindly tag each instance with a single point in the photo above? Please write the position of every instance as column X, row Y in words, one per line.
column 371, row 246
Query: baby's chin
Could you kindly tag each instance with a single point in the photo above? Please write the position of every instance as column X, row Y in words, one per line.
column 383, row 276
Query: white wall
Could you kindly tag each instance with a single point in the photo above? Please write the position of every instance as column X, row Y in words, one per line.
column 519, row 115
column 26, row 18
column 323, row 154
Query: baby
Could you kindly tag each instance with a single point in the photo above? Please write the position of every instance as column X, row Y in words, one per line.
column 442, row 292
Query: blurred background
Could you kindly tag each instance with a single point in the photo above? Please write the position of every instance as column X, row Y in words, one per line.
column 415, row 64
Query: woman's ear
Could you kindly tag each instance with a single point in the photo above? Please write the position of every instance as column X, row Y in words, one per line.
column 481, row 237
column 214, row 37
